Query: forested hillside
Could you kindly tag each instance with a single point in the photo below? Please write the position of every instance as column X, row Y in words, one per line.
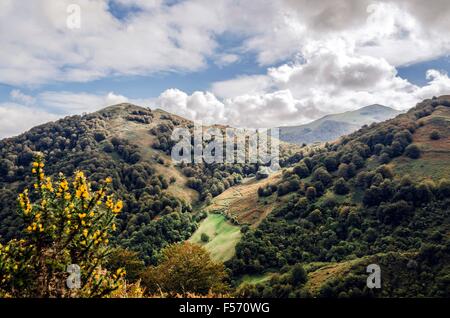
column 131, row 145
column 379, row 195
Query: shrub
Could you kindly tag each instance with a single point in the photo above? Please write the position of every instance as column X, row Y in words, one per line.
column 412, row 151
column 346, row 171
column 128, row 260
column 311, row 193
column 204, row 237
column 444, row 188
column 298, row 275
column 384, row 158
column 108, row 147
column 322, row 175
column 185, row 268
column 435, row 135
column 301, row 170
column 66, row 229
column 340, row 187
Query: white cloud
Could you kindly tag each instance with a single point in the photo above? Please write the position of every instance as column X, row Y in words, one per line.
column 18, row 96
column 160, row 38
column 241, row 85
column 226, row 59
column 182, row 36
column 200, row 106
column 68, row 103
column 351, row 85
column 16, row 118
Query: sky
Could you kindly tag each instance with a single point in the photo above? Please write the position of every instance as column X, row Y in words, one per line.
column 243, row 63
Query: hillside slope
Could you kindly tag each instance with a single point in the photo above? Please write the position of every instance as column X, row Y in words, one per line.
column 382, row 189
column 132, row 145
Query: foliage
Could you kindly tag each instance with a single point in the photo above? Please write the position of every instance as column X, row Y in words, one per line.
column 204, row 237
column 288, row 284
column 185, row 268
column 434, row 135
column 412, row 151
column 128, row 260
column 341, row 187
column 91, row 144
column 65, row 223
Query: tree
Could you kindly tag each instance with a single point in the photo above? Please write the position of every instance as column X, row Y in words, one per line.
column 346, row 171
column 396, row 149
column 412, row 151
column 385, row 158
column 394, row 213
column 311, row 193
column 444, row 188
column 435, row 135
column 128, row 260
column 185, row 268
column 204, row 237
column 315, row 216
column 372, row 196
column 340, row 187
column 322, row 175
column 67, row 227
column 358, row 161
column 298, row 275
column 385, row 171
column 301, row 170
column 330, row 164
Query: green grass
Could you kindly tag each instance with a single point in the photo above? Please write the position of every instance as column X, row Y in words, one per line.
column 223, row 236
column 254, row 279
column 419, row 169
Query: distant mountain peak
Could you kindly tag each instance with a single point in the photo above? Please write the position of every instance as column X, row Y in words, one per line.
column 333, row 126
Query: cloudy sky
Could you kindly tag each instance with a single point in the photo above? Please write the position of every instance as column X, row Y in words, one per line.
column 245, row 63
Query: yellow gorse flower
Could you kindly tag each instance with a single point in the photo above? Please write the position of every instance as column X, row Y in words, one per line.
column 118, row 207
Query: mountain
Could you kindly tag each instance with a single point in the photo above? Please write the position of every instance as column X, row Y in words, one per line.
column 131, row 144
column 331, row 127
column 376, row 197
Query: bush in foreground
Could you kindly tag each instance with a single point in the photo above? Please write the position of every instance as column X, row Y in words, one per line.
column 65, row 240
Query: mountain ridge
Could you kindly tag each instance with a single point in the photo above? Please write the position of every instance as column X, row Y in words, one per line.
column 332, row 126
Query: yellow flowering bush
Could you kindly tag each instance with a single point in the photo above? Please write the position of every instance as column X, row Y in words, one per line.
column 66, row 223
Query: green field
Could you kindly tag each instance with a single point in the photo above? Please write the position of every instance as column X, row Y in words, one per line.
column 255, row 279
column 223, row 236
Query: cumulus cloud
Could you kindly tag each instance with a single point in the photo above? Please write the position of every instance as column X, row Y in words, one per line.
column 68, row 103
column 295, row 102
column 241, row 85
column 159, row 38
column 16, row 118
column 200, row 106
column 182, row 36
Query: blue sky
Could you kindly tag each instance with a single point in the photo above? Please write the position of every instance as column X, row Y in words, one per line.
column 415, row 73
column 152, row 85
column 231, row 62
column 141, row 87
